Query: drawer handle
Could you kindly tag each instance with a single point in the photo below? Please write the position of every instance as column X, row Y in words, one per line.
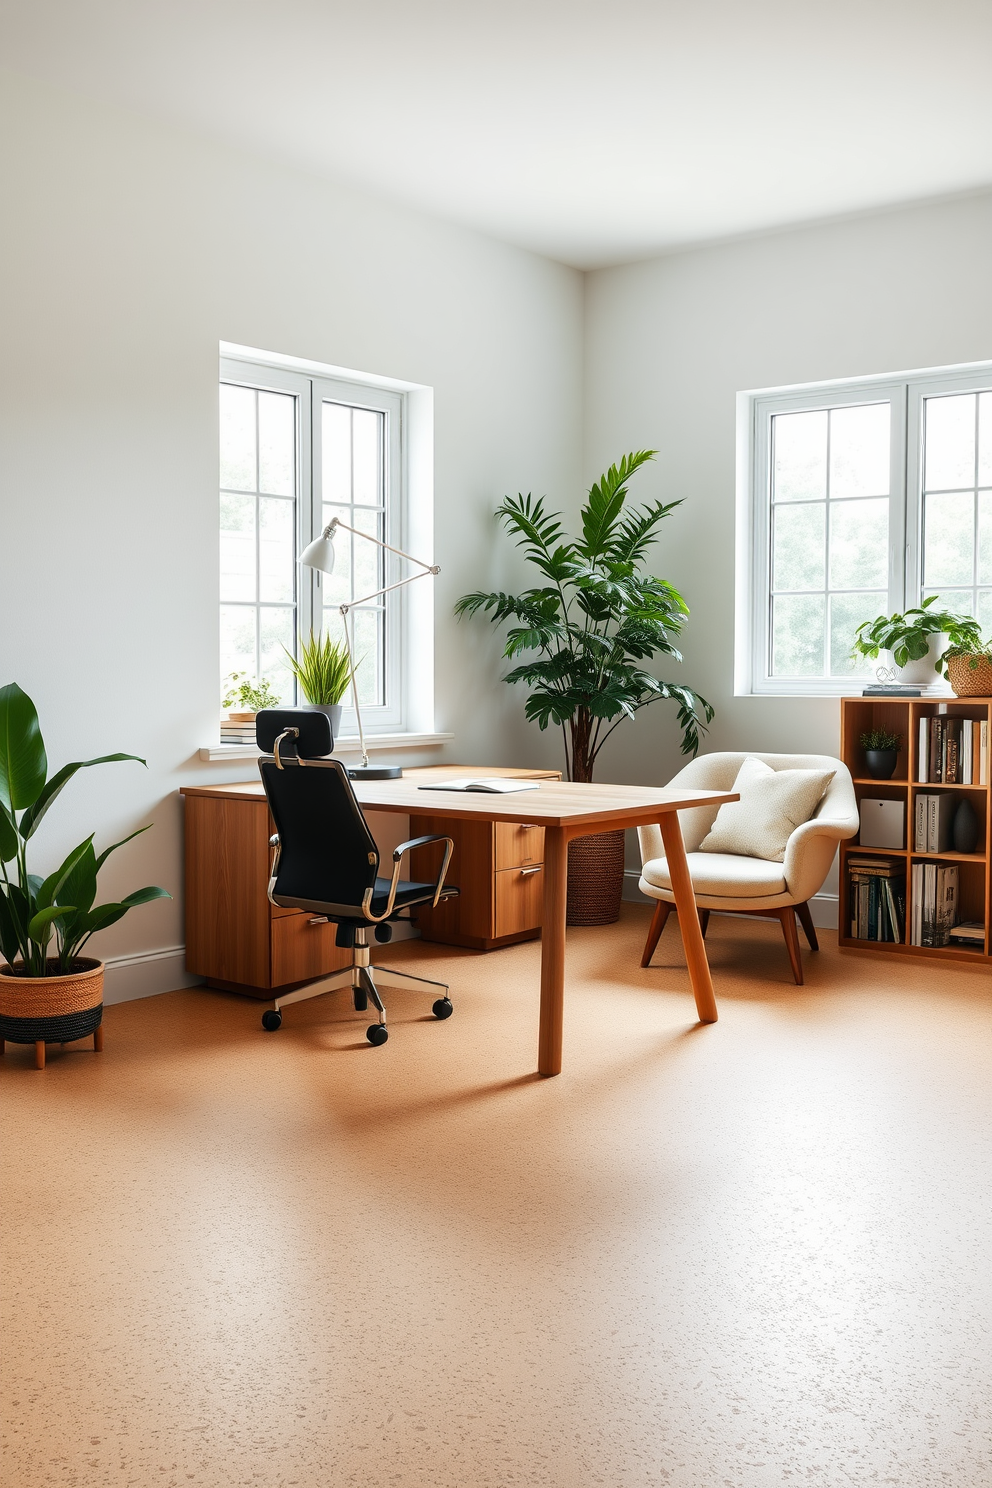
column 530, row 826
column 526, row 872
column 318, row 920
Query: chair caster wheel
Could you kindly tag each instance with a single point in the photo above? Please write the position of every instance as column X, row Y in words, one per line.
column 271, row 1020
column 442, row 1008
column 377, row 1034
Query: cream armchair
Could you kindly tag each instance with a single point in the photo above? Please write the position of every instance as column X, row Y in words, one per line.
column 752, row 885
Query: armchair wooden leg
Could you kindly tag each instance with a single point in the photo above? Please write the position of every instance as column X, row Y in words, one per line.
column 704, row 920
column 791, row 932
column 658, row 922
column 806, row 920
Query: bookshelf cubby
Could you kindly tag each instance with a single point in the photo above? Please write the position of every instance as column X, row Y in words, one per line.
column 902, row 716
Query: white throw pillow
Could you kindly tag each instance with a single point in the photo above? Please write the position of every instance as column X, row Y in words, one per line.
column 773, row 803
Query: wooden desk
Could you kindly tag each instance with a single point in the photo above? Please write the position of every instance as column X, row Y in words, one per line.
column 565, row 810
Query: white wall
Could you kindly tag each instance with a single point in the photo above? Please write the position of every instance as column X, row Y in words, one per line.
column 672, row 341
column 128, row 252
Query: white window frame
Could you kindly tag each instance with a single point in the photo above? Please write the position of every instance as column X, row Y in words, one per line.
column 409, row 675
column 905, row 393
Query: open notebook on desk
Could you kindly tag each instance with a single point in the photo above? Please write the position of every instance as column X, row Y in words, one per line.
column 499, row 785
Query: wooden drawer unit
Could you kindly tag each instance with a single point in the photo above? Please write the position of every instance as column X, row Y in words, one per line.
column 519, row 900
column 518, row 844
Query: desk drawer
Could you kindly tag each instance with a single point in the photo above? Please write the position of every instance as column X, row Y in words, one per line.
column 302, row 949
column 519, row 899
column 517, row 844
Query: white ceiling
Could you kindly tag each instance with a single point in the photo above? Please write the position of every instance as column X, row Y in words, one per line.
column 590, row 131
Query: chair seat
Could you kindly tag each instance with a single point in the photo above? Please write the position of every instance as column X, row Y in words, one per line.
column 720, row 876
column 407, row 892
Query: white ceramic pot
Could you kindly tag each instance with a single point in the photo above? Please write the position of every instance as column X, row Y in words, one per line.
column 923, row 673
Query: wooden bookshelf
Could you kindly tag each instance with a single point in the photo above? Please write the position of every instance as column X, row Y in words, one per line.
column 902, row 716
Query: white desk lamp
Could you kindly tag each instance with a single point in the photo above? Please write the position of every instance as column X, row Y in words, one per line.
column 320, row 555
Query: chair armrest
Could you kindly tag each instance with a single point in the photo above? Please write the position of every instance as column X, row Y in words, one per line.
column 398, row 855
column 405, row 847
column 810, row 850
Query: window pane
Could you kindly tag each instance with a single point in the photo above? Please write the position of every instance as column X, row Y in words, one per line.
column 984, row 575
column 949, row 539
column 336, row 452
column 368, row 568
column 949, row 442
column 985, row 439
column 366, row 428
column 337, row 586
column 275, row 629
column 800, row 456
column 275, row 549
column 859, row 451
column 368, row 654
column 847, row 611
column 859, row 544
column 237, row 547
column 237, row 438
column 237, row 640
column 277, row 443
column 797, row 635
column 958, row 601
column 985, row 612
column 799, row 546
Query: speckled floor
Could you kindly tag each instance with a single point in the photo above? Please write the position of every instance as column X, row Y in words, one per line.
column 740, row 1256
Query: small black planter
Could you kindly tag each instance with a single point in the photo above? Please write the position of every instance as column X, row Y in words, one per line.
column 881, row 763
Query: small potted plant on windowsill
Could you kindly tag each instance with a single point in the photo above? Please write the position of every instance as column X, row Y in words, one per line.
column 917, row 640
column 248, row 696
column 323, row 673
column 881, row 752
column 46, row 998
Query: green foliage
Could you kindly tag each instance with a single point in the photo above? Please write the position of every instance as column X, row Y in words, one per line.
column 908, row 636
column 251, row 695
column 32, row 909
column 592, row 619
column 880, row 739
column 322, row 670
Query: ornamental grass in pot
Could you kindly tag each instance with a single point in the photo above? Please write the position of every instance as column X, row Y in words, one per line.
column 323, row 674
column 593, row 617
column 49, row 991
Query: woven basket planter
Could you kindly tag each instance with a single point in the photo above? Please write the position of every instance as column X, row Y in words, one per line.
column 595, row 879
column 51, row 1009
column 968, row 680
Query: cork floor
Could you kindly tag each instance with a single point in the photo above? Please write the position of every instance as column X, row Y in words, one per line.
column 739, row 1256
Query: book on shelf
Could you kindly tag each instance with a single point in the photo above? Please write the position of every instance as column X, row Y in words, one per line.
column 935, row 889
column 970, row 933
column 952, row 751
column 933, row 823
column 877, row 898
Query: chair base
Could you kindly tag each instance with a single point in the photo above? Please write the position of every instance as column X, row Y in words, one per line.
column 786, row 915
column 364, row 982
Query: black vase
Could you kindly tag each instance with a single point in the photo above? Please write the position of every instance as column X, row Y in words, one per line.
column 966, row 827
column 881, row 763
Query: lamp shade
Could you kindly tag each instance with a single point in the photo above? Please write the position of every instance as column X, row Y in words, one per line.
column 319, row 554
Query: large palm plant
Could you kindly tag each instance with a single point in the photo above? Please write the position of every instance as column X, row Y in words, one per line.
column 594, row 617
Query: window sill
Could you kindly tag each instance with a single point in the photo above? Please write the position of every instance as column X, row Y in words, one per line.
column 347, row 745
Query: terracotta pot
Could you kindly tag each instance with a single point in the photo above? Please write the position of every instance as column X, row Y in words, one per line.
column 595, row 879
column 51, row 1009
column 970, row 680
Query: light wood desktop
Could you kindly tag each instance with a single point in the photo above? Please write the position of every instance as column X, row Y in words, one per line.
column 564, row 810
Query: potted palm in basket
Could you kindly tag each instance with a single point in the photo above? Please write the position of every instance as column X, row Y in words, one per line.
column 49, row 991
column 593, row 618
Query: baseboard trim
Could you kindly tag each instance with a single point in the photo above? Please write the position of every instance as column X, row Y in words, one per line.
column 822, row 907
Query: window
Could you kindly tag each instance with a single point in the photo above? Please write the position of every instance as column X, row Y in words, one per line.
column 295, row 451
column 863, row 498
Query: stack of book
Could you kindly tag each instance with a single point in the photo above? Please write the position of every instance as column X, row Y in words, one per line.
column 232, row 732
column 935, row 903
column 970, row 933
column 952, row 751
column 934, row 822
column 877, row 898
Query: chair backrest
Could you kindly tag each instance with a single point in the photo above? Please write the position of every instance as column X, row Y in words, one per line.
column 311, row 732
column 327, row 857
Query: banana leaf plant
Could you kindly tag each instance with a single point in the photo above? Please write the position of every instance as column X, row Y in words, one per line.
column 592, row 619
column 34, row 911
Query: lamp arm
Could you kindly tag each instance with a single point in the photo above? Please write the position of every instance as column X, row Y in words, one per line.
column 352, row 603
column 337, row 522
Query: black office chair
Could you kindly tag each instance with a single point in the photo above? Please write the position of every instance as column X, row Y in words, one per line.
column 326, row 861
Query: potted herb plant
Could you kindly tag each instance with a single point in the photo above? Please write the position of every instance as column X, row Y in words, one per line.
column 881, row 749
column 49, row 991
column 323, row 673
column 594, row 616
column 917, row 639
column 249, row 697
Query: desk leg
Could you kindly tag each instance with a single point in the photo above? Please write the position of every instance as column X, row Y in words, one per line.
column 685, row 903
column 553, row 951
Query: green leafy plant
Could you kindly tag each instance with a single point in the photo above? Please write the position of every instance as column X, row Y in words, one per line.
column 322, row 669
column 252, row 696
column 593, row 617
column 908, row 636
column 34, row 909
column 973, row 651
column 880, row 739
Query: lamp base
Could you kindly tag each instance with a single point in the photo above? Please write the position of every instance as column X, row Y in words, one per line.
column 375, row 772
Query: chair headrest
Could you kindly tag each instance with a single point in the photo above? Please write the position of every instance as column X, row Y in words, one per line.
column 313, row 741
